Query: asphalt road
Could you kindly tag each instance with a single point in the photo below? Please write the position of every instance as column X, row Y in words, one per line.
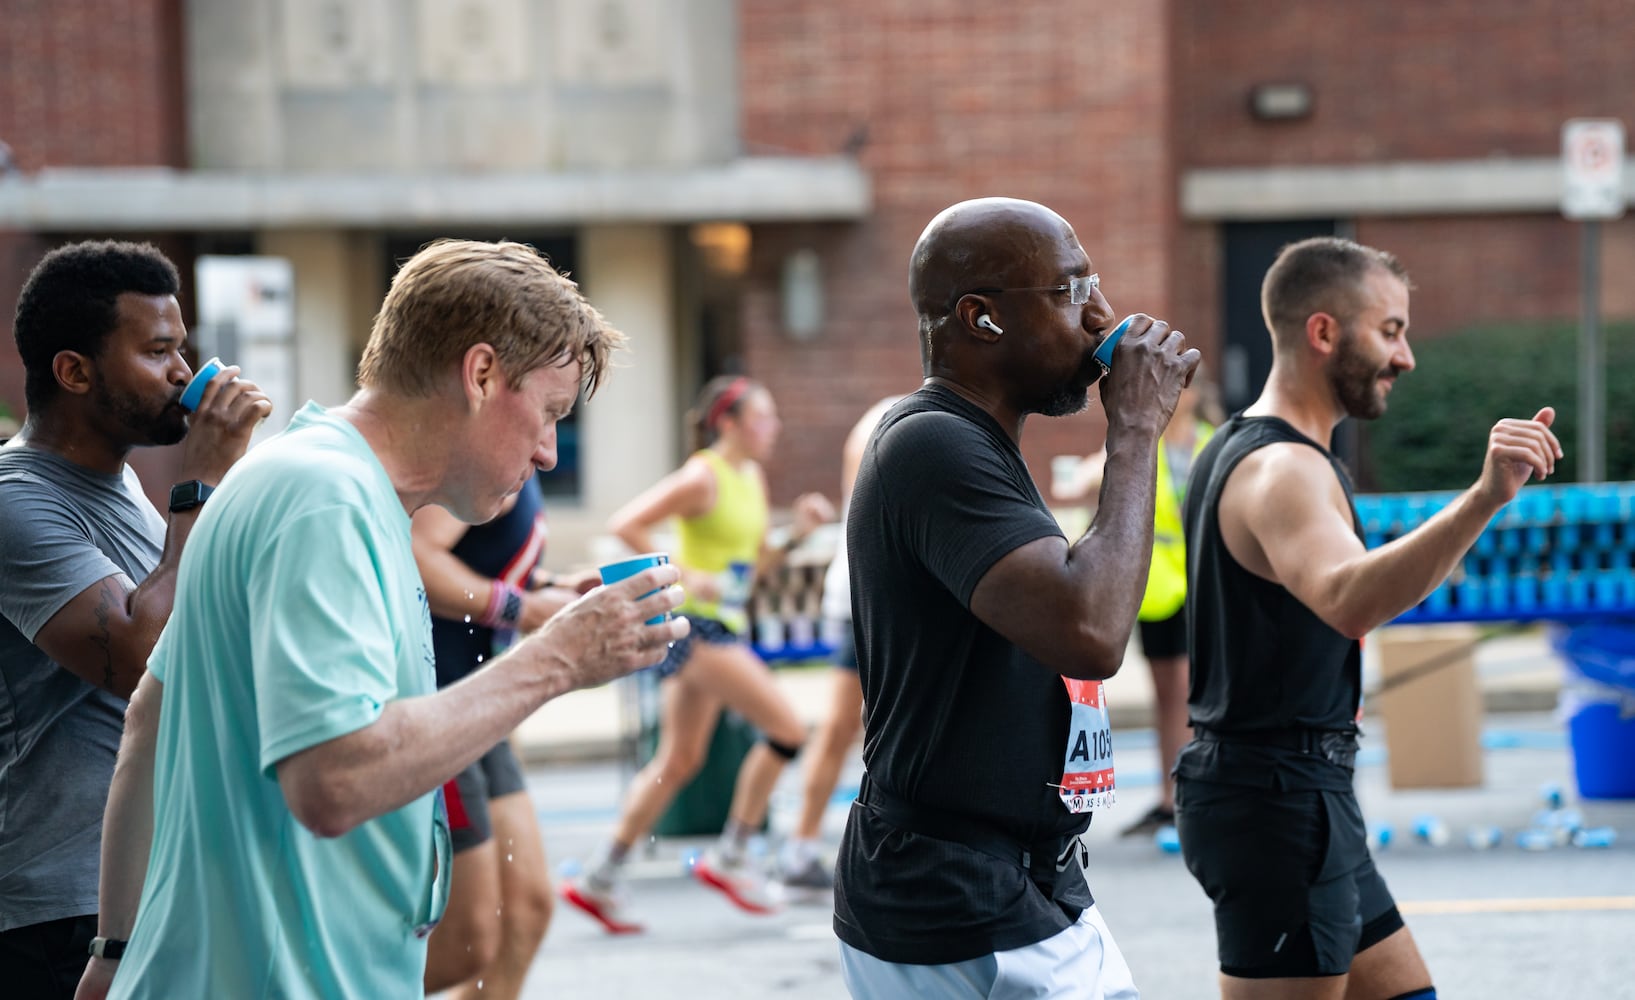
column 1503, row 922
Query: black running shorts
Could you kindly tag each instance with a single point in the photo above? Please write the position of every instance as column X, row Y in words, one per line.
column 1161, row 640
column 496, row 774
column 1295, row 890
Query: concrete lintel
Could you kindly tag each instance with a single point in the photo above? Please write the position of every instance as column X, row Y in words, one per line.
column 1399, row 188
column 749, row 190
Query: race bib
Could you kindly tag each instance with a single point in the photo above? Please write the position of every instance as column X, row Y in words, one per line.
column 732, row 607
column 1087, row 774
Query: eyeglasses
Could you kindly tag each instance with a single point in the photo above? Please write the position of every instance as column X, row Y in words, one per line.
column 1079, row 290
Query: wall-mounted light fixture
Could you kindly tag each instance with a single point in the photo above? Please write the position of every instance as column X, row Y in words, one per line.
column 1280, row 101
column 802, row 294
column 724, row 246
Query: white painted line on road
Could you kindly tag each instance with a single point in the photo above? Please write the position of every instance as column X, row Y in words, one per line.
column 1439, row 907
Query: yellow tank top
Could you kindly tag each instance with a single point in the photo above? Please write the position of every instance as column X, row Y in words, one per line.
column 1167, row 580
column 726, row 540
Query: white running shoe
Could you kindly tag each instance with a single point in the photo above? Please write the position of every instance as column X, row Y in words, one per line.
column 602, row 905
column 737, row 880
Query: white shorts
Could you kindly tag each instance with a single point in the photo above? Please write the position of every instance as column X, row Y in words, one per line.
column 1080, row 963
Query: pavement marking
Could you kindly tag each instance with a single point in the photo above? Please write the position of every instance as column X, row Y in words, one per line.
column 1437, row 907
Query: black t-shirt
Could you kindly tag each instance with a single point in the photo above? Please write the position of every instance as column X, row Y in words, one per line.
column 1261, row 660
column 956, row 718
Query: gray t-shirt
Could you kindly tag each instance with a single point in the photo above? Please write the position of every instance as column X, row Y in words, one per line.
column 62, row 528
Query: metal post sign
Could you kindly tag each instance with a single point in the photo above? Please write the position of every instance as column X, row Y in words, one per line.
column 1592, row 157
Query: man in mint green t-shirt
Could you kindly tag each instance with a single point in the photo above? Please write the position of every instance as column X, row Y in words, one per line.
column 290, row 781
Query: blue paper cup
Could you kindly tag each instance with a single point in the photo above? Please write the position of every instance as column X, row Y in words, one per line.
column 194, row 393
column 625, row 568
column 1104, row 350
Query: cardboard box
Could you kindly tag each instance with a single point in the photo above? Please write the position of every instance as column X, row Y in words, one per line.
column 1431, row 704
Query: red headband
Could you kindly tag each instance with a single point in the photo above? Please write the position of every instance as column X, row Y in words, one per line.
column 727, row 400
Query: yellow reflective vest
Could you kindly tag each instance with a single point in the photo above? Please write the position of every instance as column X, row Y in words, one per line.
column 1167, row 579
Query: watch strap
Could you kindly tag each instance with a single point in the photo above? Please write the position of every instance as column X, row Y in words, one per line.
column 112, row 949
column 188, row 495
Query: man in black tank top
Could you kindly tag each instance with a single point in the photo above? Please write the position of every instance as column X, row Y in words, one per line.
column 979, row 627
column 1280, row 592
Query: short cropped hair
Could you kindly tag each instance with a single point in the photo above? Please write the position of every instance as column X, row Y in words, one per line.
column 1321, row 274
column 71, row 303
column 455, row 294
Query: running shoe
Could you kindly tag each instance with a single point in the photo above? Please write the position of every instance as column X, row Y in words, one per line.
column 737, row 880
column 811, row 875
column 1156, row 818
column 602, row 905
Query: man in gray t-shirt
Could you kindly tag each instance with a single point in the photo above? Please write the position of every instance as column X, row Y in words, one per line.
column 87, row 572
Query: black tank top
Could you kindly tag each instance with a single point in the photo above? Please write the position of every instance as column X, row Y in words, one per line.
column 1261, row 660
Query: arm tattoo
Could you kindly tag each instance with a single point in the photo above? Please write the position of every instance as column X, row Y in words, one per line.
column 103, row 638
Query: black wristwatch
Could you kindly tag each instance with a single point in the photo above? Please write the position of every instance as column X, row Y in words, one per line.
column 112, row 949
column 188, row 495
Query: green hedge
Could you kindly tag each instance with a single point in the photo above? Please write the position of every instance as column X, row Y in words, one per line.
column 1435, row 432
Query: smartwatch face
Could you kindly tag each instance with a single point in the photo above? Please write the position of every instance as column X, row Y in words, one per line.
column 186, row 496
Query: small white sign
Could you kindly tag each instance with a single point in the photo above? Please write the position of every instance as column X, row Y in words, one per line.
column 1592, row 158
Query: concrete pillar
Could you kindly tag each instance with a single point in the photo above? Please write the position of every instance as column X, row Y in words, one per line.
column 331, row 292
column 628, row 431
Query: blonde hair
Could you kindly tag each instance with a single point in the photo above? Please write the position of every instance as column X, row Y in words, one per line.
column 454, row 294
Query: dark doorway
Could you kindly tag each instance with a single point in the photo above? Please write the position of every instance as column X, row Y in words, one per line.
column 1250, row 248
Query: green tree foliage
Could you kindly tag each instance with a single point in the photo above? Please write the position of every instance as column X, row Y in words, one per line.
column 1434, row 434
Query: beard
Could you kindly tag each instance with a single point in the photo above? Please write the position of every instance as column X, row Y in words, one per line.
column 151, row 423
column 1066, row 401
column 1355, row 381
column 1073, row 395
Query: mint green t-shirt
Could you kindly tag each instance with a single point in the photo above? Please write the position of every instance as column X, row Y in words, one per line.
column 299, row 614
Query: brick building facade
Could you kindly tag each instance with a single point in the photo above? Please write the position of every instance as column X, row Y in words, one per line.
column 1133, row 120
column 1104, row 111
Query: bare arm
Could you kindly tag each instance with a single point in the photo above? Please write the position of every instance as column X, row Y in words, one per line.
column 1073, row 608
column 419, row 743
column 454, row 590
column 105, row 633
column 127, row 830
column 811, row 510
column 1284, row 516
column 687, row 492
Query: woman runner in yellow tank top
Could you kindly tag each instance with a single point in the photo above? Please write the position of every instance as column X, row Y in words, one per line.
column 719, row 499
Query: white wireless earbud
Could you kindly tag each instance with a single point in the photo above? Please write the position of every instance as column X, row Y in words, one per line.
column 987, row 321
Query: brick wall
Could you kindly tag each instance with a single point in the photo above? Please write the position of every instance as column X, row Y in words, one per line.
column 1411, row 81
column 83, row 83
column 92, row 83
column 959, row 100
column 1455, row 79
column 19, row 252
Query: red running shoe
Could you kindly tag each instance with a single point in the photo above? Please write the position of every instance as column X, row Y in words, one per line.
column 746, row 887
column 602, row 906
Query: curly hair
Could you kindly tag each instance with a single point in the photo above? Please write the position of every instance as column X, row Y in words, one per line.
column 70, row 303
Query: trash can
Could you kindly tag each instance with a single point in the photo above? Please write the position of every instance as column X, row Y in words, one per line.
column 1598, row 704
column 700, row 808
